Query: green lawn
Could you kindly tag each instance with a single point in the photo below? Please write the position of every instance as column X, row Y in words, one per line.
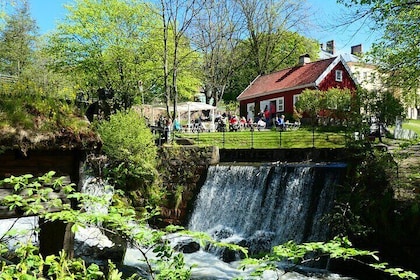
column 304, row 137
column 412, row 125
column 268, row 139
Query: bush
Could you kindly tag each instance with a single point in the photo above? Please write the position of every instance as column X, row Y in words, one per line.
column 129, row 145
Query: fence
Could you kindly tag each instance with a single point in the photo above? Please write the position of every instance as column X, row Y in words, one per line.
column 300, row 138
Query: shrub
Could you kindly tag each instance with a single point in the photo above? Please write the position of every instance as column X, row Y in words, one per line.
column 129, row 145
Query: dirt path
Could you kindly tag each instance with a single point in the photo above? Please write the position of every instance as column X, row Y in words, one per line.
column 408, row 159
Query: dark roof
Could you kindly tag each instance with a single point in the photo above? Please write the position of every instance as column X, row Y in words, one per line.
column 287, row 79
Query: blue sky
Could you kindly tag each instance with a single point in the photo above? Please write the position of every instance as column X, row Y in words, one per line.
column 324, row 14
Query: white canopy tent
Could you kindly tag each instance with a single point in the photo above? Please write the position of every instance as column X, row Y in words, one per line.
column 194, row 107
column 186, row 107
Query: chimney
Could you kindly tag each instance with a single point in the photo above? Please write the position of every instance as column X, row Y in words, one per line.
column 330, row 48
column 304, row 59
column 356, row 50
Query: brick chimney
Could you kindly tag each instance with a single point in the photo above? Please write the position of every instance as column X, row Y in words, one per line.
column 356, row 50
column 304, row 59
column 330, row 47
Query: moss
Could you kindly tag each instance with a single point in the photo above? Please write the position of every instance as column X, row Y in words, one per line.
column 33, row 122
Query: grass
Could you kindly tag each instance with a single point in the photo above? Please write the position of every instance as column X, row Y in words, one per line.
column 41, row 114
column 413, row 125
column 269, row 139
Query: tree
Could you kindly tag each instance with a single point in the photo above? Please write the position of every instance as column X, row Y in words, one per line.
column 17, row 40
column 105, row 49
column 284, row 52
column 310, row 103
column 176, row 18
column 397, row 52
column 266, row 24
column 217, row 33
column 381, row 104
column 331, row 104
column 241, row 39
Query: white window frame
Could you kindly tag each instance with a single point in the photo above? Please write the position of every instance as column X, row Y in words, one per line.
column 280, row 104
column 295, row 99
column 338, row 75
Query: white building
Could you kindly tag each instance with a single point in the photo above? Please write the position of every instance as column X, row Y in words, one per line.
column 366, row 74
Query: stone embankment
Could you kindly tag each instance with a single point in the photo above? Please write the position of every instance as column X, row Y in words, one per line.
column 183, row 170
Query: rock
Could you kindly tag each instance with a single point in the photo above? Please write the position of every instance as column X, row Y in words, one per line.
column 187, row 246
column 130, row 271
column 99, row 256
column 222, row 233
column 94, row 247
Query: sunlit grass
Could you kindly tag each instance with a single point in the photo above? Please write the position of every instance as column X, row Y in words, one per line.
column 413, row 125
column 269, row 139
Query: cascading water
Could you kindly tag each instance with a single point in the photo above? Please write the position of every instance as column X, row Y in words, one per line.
column 266, row 205
column 258, row 207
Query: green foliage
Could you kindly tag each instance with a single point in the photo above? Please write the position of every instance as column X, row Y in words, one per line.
column 129, row 145
column 277, row 51
column 120, row 219
column 381, row 104
column 365, row 199
column 27, row 109
column 17, row 41
column 338, row 248
column 334, row 103
column 104, row 49
column 396, row 53
column 310, row 101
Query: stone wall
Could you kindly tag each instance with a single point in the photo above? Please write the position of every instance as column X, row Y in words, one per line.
column 183, row 170
column 288, row 155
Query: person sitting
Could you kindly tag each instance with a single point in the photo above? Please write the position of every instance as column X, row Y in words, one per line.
column 261, row 124
column 243, row 123
column 281, row 123
column 233, row 123
column 250, row 122
column 220, row 124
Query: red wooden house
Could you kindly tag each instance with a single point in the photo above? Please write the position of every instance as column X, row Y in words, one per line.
column 279, row 91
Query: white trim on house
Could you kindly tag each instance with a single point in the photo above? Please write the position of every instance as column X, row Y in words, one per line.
column 338, row 75
column 331, row 67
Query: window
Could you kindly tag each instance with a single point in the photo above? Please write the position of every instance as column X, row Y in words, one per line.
column 280, row 104
column 295, row 99
column 338, row 75
column 277, row 104
column 264, row 104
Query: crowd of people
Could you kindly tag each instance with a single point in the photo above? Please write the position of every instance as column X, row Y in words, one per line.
column 227, row 122
column 235, row 123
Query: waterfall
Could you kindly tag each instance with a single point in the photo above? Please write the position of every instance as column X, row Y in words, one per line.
column 266, row 205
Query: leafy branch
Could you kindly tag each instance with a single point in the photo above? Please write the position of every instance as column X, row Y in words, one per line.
column 338, row 248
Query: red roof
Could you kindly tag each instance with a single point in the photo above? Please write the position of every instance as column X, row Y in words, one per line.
column 290, row 78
